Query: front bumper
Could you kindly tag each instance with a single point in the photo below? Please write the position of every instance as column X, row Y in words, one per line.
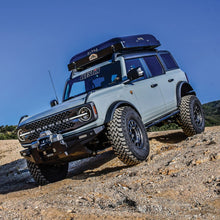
column 53, row 148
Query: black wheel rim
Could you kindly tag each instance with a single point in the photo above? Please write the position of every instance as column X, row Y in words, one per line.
column 198, row 117
column 135, row 134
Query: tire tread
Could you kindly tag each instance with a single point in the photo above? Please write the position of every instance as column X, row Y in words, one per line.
column 186, row 117
column 117, row 138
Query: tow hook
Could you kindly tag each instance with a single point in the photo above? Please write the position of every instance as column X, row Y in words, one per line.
column 47, row 141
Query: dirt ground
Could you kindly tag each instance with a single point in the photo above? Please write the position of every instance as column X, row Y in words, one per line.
column 180, row 180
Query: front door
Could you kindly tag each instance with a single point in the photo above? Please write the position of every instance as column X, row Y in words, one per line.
column 146, row 91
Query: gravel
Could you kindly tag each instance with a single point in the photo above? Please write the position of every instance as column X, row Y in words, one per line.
column 180, row 180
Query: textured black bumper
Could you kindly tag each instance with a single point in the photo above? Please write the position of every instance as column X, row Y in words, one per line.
column 71, row 148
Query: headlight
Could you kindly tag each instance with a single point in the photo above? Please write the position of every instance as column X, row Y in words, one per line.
column 85, row 114
column 20, row 135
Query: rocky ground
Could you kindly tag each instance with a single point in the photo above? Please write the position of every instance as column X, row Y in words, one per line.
column 180, row 180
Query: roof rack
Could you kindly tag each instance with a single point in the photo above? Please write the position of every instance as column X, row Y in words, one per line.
column 104, row 51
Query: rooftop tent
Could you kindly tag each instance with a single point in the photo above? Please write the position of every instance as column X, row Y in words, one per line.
column 105, row 50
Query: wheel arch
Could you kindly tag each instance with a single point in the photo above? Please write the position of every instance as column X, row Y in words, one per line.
column 114, row 106
column 183, row 88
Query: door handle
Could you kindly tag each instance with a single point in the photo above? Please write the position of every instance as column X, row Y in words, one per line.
column 170, row 80
column 154, row 85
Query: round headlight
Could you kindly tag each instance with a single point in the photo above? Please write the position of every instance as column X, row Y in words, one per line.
column 20, row 136
column 85, row 114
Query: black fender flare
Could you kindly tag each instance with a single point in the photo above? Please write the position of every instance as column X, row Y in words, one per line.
column 24, row 116
column 183, row 88
column 114, row 106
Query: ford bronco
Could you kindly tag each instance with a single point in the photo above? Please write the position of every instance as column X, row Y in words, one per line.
column 115, row 91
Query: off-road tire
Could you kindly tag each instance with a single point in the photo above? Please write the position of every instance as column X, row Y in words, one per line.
column 44, row 173
column 122, row 131
column 191, row 115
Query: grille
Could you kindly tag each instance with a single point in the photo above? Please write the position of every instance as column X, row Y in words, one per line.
column 55, row 123
column 49, row 124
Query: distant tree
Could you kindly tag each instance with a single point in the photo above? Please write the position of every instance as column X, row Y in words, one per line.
column 212, row 113
column 7, row 132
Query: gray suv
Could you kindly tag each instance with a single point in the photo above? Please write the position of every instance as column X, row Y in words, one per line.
column 115, row 91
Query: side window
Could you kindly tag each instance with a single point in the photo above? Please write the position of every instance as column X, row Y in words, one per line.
column 134, row 63
column 169, row 61
column 154, row 65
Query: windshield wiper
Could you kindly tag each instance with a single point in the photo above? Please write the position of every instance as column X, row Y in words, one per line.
column 96, row 88
column 71, row 97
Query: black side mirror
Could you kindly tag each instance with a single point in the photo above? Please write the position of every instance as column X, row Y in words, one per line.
column 135, row 73
column 54, row 102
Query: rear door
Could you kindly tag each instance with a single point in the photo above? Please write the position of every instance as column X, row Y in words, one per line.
column 173, row 75
column 162, row 81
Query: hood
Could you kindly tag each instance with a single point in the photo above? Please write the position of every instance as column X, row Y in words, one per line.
column 58, row 108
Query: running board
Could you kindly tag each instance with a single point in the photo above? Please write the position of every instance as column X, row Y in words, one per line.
column 162, row 119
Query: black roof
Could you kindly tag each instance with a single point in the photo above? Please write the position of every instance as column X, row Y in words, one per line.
column 105, row 50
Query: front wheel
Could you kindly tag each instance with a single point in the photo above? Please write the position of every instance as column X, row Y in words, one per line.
column 191, row 115
column 47, row 173
column 128, row 136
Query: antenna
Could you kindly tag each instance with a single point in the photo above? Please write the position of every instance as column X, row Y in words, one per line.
column 53, row 85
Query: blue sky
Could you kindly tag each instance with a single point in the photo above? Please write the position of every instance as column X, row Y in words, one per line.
column 37, row 36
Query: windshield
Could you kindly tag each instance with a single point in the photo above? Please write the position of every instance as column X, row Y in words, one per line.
column 101, row 77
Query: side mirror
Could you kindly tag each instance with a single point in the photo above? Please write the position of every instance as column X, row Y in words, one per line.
column 54, row 102
column 135, row 73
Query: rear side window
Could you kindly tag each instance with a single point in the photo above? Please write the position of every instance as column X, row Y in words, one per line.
column 169, row 61
column 154, row 65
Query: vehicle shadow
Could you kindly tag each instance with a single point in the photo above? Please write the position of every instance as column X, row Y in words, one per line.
column 93, row 163
column 173, row 138
column 15, row 176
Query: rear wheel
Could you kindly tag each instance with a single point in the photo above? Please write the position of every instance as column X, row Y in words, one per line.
column 128, row 136
column 47, row 173
column 191, row 118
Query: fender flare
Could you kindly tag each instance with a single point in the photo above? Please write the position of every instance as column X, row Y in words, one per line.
column 183, row 88
column 114, row 106
column 24, row 116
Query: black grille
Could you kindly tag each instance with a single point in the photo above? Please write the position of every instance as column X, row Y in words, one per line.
column 50, row 124
column 55, row 123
